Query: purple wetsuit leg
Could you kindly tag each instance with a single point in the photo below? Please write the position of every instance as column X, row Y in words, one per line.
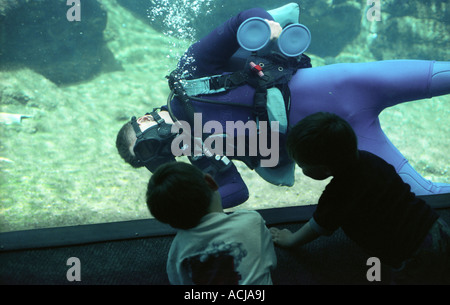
column 440, row 79
column 358, row 93
column 379, row 144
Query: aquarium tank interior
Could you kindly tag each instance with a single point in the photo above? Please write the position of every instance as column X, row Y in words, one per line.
column 73, row 72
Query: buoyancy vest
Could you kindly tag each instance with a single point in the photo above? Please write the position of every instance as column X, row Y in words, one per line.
column 261, row 72
column 269, row 75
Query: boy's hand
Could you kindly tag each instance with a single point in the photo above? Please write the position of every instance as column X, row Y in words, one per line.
column 283, row 238
column 286, row 238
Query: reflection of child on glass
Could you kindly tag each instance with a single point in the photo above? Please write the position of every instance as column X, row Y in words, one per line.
column 357, row 92
column 368, row 200
column 210, row 247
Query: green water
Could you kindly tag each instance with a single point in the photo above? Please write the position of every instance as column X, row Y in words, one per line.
column 61, row 167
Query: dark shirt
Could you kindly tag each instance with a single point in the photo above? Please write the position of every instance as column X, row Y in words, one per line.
column 376, row 209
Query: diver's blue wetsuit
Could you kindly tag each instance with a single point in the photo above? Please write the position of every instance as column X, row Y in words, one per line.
column 357, row 92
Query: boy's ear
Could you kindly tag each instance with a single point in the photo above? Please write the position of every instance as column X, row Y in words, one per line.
column 211, row 182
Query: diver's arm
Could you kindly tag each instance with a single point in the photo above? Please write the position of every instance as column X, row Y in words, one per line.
column 210, row 54
column 233, row 191
column 232, row 188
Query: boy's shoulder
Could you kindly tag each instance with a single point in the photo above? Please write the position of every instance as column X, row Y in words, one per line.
column 370, row 164
column 376, row 165
column 246, row 213
column 238, row 217
column 247, row 217
column 370, row 157
column 369, row 173
column 217, row 224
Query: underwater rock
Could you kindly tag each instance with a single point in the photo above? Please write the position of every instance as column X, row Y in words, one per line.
column 333, row 25
column 39, row 35
column 418, row 29
column 10, row 96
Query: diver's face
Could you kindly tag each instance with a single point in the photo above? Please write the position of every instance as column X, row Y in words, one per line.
column 145, row 122
column 316, row 172
column 153, row 147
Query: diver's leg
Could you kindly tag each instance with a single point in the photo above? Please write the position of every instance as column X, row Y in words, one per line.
column 440, row 78
column 419, row 185
column 286, row 14
column 439, row 85
column 411, row 80
column 404, row 80
column 375, row 141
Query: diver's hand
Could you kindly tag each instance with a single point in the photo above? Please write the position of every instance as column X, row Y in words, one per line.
column 282, row 238
column 275, row 29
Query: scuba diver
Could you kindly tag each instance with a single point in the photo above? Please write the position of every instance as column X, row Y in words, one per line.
column 273, row 87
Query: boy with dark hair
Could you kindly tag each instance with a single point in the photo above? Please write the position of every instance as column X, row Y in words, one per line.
column 369, row 201
column 211, row 247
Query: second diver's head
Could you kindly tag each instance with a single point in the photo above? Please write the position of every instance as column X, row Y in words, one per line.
column 146, row 141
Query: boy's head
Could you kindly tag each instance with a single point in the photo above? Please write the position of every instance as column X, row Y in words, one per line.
column 180, row 194
column 322, row 144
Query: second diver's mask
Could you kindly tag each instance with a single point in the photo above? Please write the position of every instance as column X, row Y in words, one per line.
column 254, row 35
column 152, row 147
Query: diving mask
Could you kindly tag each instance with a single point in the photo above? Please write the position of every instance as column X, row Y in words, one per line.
column 152, row 147
column 254, row 35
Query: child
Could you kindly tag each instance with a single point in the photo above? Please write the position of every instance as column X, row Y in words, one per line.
column 368, row 200
column 210, row 247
